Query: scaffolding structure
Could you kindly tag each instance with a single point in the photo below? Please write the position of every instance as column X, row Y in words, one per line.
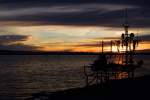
column 118, row 65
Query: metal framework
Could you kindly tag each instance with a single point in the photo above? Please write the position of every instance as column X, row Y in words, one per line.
column 117, row 65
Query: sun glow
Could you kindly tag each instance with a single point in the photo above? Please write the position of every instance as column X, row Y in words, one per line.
column 69, row 38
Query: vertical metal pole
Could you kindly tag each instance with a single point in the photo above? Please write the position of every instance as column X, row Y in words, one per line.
column 126, row 26
column 102, row 47
column 111, row 47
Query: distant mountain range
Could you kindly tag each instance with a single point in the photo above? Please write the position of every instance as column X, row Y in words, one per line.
column 10, row 52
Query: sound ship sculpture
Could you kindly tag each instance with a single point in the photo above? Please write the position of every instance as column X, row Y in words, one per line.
column 106, row 67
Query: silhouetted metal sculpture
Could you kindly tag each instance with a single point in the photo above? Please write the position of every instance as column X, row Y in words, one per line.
column 105, row 68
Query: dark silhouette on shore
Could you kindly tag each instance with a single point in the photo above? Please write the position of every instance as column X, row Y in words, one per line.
column 112, row 66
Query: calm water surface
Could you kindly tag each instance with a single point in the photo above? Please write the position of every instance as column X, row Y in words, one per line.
column 22, row 75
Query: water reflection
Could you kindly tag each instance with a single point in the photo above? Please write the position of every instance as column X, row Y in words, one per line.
column 23, row 75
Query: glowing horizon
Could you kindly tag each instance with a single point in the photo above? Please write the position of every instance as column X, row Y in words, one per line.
column 66, row 38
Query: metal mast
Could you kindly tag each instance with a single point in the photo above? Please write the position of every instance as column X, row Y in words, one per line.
column 126, row 36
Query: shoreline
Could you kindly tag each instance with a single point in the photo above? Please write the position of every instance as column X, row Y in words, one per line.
column 115, row 89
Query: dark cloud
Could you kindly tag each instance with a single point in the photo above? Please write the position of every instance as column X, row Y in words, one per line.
column 29, row 3
column 94, row 44
column 15, row 42
column 145, row 38
column 10, row 39
column 107, row 42
column 19, row 47
column 107, row 13
column 107, row 38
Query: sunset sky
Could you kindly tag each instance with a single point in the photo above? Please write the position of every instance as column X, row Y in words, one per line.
column 70, row 25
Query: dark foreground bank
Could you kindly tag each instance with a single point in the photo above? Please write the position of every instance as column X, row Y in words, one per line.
column 126, row 89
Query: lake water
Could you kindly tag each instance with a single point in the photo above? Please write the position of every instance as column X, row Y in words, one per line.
column 23, row 75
